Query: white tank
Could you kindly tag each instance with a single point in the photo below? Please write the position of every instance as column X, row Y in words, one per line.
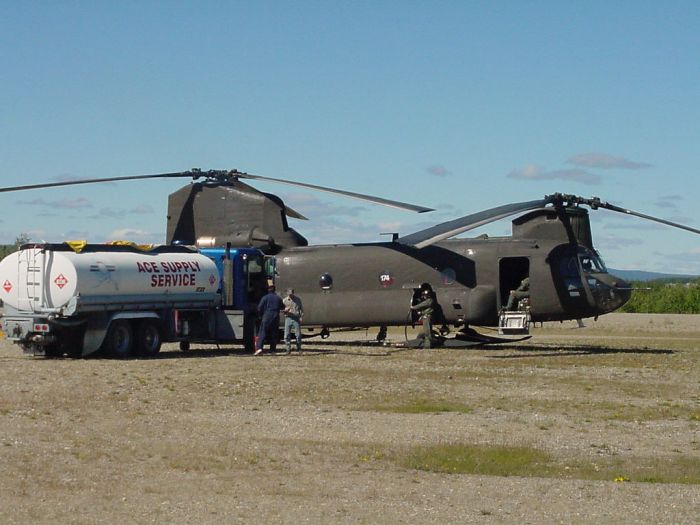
column 42, row 279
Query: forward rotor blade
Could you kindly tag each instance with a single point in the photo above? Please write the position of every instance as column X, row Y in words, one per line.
column 294, row 214
column 612, row 207
column 454, row 227
column 361, row 196
column 92, row 181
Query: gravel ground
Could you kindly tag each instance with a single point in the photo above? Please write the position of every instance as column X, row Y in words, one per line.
column 215, row 435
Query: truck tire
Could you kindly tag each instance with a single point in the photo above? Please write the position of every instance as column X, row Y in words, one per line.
column 119, row 340
column 148, row 339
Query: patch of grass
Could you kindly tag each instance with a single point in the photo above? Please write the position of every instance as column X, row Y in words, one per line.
column 531, row 462
column 480, row 459
column 661, row 411
column 197, row 463
column 590, row 410
column 424, row 406
column 372, row 455
column 680, row 469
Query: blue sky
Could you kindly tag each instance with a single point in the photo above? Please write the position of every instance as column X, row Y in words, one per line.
column 458, row 106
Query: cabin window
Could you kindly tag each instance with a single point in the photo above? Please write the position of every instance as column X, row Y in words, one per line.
column 448, row 276
column 326, row 281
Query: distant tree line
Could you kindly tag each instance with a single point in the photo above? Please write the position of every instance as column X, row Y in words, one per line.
column 7, row 249
column 665, row 297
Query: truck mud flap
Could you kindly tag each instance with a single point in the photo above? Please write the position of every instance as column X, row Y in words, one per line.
column 95, row 332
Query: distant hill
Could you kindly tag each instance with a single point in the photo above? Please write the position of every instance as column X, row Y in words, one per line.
column 641, row 275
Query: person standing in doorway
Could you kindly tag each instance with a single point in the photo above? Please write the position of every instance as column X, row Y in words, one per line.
column 293, row 314
column 269, row 310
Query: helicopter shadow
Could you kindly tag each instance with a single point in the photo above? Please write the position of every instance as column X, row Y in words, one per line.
column 316, row 350
column 530, row 351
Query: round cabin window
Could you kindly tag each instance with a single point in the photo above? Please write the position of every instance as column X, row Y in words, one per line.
column 325, row 281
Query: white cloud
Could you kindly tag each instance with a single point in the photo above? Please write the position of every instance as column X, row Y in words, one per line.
column 310, row 206
column 534, row 172
column 72, row 204
column 633, row 224
column 142, row 209
column 438, row 170
column 110, row 213
column 668, row 201
column 119, row 213
column 135, row 235
column 76, row 235
column 685, row 262
column 615, row 242
column 605, row 161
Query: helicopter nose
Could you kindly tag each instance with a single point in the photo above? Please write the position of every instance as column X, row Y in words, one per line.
column 620, row 291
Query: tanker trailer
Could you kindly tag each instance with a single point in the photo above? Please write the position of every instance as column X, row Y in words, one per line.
column 67, row 299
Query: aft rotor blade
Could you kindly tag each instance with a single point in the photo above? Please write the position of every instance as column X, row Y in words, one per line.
column 361, row 196
column 454, row 227
column 612, row 207
column 92, row 181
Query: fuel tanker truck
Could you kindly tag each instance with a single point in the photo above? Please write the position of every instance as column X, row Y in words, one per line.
column 77, row 298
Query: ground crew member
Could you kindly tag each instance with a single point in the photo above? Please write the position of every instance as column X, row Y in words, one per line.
column 269, row 310
column 293, row 313
column 425, row 308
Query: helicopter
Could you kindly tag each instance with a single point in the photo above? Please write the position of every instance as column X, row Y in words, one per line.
column 364, row 285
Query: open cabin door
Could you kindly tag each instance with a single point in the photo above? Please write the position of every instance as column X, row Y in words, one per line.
column 511, row 271
column 516, row 320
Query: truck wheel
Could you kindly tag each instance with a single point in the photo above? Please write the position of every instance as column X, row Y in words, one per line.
column 119, row 339
column 148, row 338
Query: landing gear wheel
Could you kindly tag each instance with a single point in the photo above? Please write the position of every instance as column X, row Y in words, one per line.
column 119, row 339
column 148, row 339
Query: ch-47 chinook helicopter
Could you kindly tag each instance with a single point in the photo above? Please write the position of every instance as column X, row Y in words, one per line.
column 374, row 284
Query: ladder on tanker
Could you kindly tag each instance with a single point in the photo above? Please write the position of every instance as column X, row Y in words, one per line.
column 30, row 277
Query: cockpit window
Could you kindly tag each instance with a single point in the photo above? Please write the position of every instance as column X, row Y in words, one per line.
column 592, row 263
column 567, row 267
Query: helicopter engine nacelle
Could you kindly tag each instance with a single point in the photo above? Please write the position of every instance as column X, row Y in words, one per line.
column 569, row 224
column 232, row 213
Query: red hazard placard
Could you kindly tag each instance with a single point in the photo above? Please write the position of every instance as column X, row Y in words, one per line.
column 61, row 280
column 7, row 286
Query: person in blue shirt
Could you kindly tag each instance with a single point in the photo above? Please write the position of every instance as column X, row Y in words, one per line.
column 269, row 311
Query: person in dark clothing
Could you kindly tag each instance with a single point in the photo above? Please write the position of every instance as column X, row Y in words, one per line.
column 521, row 292
column 426, row 307
column 269, row 311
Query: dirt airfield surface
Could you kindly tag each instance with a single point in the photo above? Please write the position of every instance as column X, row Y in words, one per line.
column 331, row 435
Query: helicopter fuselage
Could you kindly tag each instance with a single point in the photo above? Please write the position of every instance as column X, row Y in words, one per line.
column 376, row 283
